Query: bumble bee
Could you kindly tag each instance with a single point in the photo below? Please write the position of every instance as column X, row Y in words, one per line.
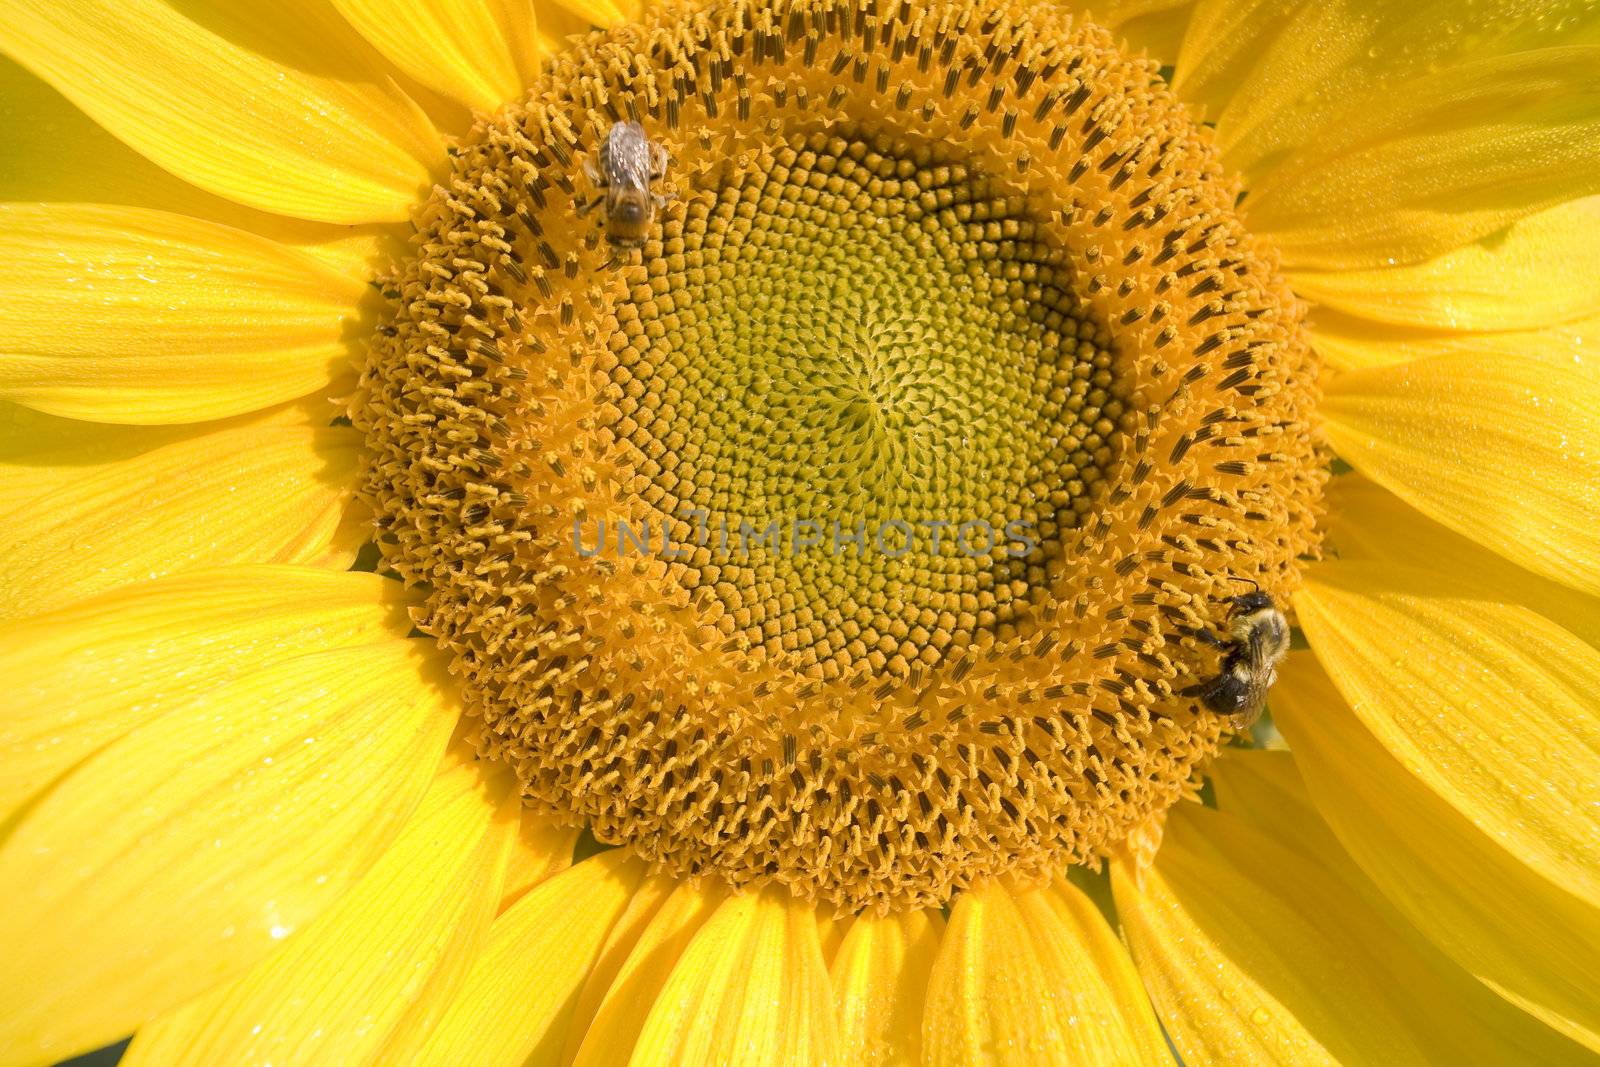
column 623, row 168
column 1258, row 639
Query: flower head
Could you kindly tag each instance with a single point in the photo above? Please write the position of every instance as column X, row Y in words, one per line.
column 868, row 319
column 754, row 531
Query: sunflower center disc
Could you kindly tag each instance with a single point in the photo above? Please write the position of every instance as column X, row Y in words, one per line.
column 853, row 531
column 852, row 355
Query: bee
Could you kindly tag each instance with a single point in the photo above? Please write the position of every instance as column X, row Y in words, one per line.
column 622, row 170
column 1257, row 641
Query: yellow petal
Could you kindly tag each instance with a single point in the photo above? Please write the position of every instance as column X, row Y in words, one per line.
column 1348, row 343
column 1155, row 26
column 1368, row 524
column 750, row 989
column 1262, row 943
column 1544, row 270
column 831, row 928
column 1222, row 44
column 96, row 510
column 603, row 13
column 43, row 455
column 1035, row 977
column 1460, row 1018
column 1274, row 74
column 616, row 1000
column 278, row 108
column 480, row 52
column 1107, row 955
column 434, row 999
column 1505, row 451
column 128, row 315
column 880, row 977
column 542, row 850
column 333, row 992
column 1480, row 903
column 1115, row 13
column 1263, row 788
column 1435, row 164
column 1247, row 969
column 50, row 152
column 1490, row 705
column 81, row 677
column 184, row 852
column 518, row 1000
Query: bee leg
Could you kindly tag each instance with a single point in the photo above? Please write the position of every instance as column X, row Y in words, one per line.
column 1208, row 637
column 591, row 170
column 658, row 161
column 584, row 209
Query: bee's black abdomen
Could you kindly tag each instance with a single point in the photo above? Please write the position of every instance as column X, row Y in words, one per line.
column 1225, row 694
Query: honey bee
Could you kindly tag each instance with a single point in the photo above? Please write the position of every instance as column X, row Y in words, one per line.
column 1257, row 641
column 622, row 170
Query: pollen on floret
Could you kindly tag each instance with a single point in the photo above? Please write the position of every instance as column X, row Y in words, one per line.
column 920, row 262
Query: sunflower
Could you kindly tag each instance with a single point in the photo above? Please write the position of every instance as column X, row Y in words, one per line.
column 446, row 622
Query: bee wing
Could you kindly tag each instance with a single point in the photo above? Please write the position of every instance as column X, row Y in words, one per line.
column 629, row 162
column 1250, row 715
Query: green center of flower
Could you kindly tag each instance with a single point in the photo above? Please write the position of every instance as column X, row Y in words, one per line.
column 867, row 403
